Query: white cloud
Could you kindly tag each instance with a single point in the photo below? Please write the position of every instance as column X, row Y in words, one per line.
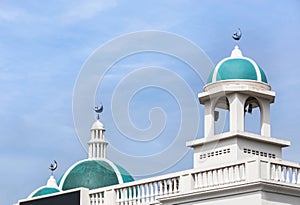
column 13, row 14
column 87, row 9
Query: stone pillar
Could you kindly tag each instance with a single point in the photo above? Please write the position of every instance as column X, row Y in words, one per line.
column 209, row 124
column 237, row 112
column 265, row 124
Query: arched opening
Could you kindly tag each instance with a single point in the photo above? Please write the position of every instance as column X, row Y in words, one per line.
column 252, row 113
column 221, row 116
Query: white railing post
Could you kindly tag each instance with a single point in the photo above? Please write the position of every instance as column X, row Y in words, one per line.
column 186, row 183
column 252, row 170
column 110, row 196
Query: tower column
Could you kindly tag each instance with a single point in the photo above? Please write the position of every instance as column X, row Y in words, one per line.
column 209, row 124
column 237, row 112
column 265, row 122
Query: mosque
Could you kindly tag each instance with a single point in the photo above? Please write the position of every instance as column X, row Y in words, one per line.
column 233, row 167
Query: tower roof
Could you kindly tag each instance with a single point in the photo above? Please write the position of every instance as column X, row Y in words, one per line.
column 94, row 174
column 97, row 125
column 237, row 67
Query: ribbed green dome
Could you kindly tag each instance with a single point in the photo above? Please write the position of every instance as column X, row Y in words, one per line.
column 237, row 67
column 44, row 191
column 94, row 174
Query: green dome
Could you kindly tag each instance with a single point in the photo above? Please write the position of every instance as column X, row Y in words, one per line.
column 50, row 188
column 237, row 67
column 93, row 174
column 44, row 191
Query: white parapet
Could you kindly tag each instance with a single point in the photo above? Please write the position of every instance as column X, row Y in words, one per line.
column 241, row 173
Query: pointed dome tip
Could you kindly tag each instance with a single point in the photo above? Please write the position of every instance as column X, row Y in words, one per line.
column 236, row 52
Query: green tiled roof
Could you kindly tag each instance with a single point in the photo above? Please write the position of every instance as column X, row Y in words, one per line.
column 237, row 69
column 94, row 174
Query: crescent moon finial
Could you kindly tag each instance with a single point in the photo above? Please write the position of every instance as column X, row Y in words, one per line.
column 237, row 35
column 53, row 167
column 98, row 110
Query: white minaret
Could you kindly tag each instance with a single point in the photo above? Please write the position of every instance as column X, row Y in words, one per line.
column 97, row 143
column 237, row 84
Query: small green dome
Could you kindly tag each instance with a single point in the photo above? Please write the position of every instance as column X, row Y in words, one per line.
column 94, row 174
column 50, row 188
column 237, row 67
column 44, row 191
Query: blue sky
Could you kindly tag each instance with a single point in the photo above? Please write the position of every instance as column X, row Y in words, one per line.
column 44, row 46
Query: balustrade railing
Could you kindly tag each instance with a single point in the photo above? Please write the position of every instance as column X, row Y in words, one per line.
column 285, row 172
column 97, row 198
column 219, row 176
column 147, row 192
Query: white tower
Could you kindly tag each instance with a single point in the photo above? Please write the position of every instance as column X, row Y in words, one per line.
column 236, row 84
column 97, row 143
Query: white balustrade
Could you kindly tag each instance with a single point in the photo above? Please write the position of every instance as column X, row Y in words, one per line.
column 97, row 198
column 285, row 172
column 146, row 191
column 219, row 176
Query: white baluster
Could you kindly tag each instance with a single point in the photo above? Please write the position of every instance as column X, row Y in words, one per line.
column 242, row 172
column 215, row 177
column 129, row 196
column 287, row 179
column 277, row 173
column 139, row 194
column 196, row 181
column 282, row 174
column 273, row 172
column 237, row 173
column 165, row 187
column 209, row 178
column 124, row 195
column 220, row 176
column 142, row 194
column 204, row 175
column 101, row 198
column 176, row 184
column 173, row 185
column 96, row 199
column 161, row 189
column 151, row 191
column 148, row 192
column 169, row 186
column 118, row 195
column 294, row 176
column 156, row 191
column 134, row 194
column 225, row 175
column 92, row 199
column 230, row 170
column 200, row 180
column 298, row 176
